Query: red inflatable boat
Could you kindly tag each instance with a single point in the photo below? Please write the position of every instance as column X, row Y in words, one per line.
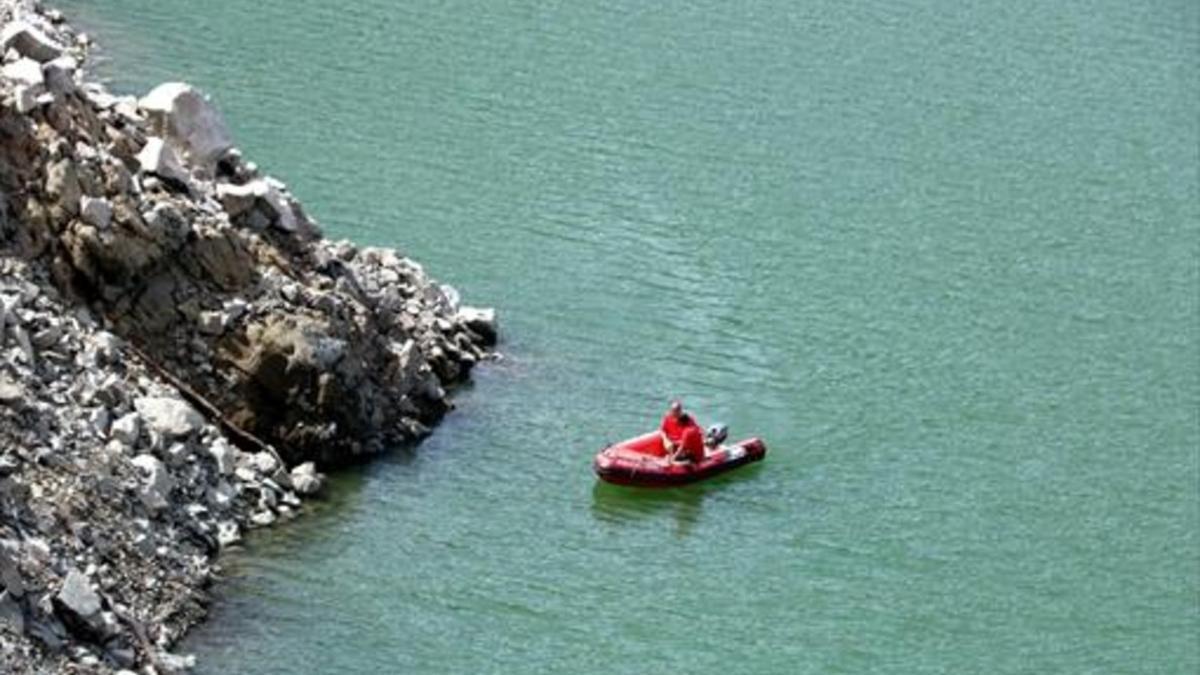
column 642, row 462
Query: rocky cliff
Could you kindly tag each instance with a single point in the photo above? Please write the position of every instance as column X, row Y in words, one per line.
column 180, row 349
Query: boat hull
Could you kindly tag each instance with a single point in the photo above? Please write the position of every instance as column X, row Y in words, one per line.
column 641, row 462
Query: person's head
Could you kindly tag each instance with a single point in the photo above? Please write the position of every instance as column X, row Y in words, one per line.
column 676, row 408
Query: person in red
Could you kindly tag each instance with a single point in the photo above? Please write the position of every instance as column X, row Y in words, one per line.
column 681, row 436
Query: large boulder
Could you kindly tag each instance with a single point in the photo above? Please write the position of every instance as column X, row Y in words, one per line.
column 187, row 119
column 170, row 417
column 29, row 40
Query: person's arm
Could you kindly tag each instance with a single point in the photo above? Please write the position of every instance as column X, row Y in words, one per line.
column 668, row 444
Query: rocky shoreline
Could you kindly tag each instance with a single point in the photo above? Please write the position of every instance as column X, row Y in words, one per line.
column 180, row 352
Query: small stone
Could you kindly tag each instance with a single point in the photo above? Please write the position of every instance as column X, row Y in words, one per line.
column 99, row 418
column 78, row 605
column 222, row 495
column 11, row 393
column 169, row 416
column 224, row 454
column 228, row 533
column 177, row 454
column 158, row 483
column 126, row 429
column 25, row 99
column 96, row 211
column 262, row 518
column 211, row 323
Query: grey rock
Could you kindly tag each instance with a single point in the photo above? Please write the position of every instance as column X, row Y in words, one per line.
column 99, row 418
column 11, row 614
column 96, row 211
column 62, row 184
column 29, row 40
column 170, row 417
column 78, row 606
column 10, row 574
column 59, row 75
column 126, row 429
column 188, row 120
column 157, row 483
column 159, row 158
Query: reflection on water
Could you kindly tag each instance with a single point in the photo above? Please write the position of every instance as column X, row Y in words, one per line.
column 619, row 504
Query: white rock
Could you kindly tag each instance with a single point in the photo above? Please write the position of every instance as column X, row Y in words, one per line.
column 224, row 454
column 29, row 41
column 159, row 158
column 285, row 216
column 169, row 416
column 158, row 483
column 24, row 72
column 228, row 533
column 95, row 211
column 211, row 323
column 25, row 99
column 99, row 419
column 10, row 392
column 306, row 480
column 264, row 463
column 237, row 199
column 186, row 118
column 235, row 308
column 262, row 518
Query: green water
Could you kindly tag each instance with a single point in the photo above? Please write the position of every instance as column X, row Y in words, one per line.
column 942, row 256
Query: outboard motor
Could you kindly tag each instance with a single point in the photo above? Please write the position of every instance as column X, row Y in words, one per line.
column 716, row 435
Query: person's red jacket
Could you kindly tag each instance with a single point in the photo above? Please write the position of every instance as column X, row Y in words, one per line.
column 686, row 434
column 692, row 443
